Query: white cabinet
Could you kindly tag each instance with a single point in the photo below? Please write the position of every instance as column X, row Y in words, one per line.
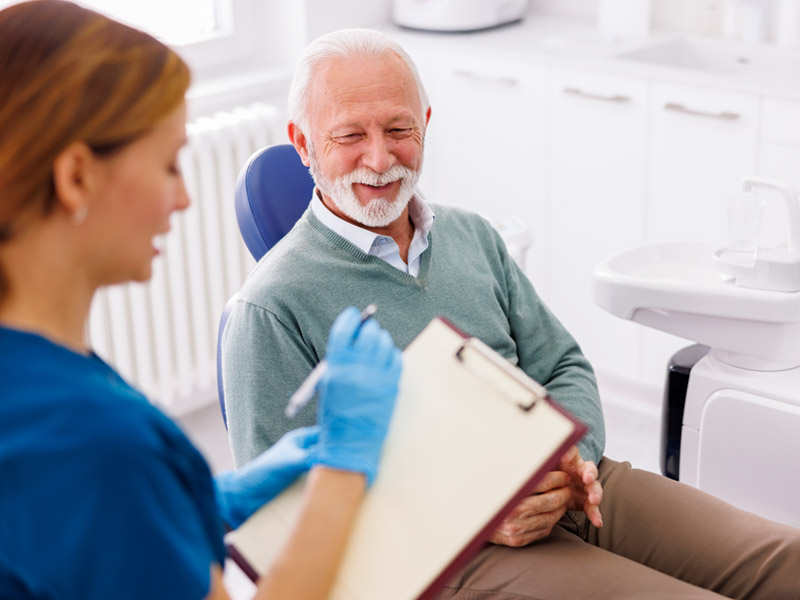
column 594, row 163
column 779, row 158
column 486, row 142
column 597, row 203
column 702, row 143
column 781, row 121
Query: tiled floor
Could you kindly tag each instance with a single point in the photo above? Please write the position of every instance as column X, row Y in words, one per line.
column 632, row 435
column 206, row 429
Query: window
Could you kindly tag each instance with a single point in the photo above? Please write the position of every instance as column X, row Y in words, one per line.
column 176, row 22
column 238, row 50
column 205, row 31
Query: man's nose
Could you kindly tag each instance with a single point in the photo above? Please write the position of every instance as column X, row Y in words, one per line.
column 378, row 155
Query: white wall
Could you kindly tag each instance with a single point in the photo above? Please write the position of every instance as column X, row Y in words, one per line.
column 282, row 28
column 327, row 15
column 702, row 17
column 279, row 30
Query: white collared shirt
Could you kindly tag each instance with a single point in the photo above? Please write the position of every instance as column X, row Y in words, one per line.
column 382, row 246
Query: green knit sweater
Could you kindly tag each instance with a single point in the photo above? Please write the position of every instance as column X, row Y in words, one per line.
column 279, row 326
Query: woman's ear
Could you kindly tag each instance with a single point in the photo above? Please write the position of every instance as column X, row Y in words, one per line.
column 73, row 178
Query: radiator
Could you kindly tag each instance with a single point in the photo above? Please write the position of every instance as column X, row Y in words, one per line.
column 161, row 336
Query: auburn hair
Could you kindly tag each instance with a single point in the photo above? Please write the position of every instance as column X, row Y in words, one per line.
column 69, row 74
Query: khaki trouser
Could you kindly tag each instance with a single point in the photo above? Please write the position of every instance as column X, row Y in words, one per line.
column 660, row 539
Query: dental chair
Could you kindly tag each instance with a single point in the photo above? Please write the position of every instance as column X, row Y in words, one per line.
column 272, row 192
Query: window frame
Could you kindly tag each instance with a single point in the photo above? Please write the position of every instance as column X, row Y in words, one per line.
column 235, row 42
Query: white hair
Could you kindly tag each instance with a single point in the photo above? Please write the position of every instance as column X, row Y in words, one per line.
column 343, row 43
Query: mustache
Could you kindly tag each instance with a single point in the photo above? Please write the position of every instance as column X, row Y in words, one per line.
column 369, row 177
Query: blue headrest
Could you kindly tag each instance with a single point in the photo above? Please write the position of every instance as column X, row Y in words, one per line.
column 272, row 191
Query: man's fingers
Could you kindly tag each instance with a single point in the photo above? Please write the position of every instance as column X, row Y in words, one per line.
column 594, row 493
column 540, row 503
column 545, row 502
column 593, row 512
column 533, row 518
column 522, row 533
column 551, row 481
column 570, row 460
column 587, row 471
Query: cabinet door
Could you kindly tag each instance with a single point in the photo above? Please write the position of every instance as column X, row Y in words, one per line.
column 778, row 158
column 702, row 143
column 782, row 163
column 598, row 157
column 485, row 147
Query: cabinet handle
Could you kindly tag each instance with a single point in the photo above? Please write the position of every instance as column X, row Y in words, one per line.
column 506, row 81
column 613, row 98
column 725, row 115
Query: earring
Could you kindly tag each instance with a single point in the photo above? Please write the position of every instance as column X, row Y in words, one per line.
column 79, row 216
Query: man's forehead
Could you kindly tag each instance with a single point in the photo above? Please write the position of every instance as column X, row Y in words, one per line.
column 386, row 59
column 344, row 76
column 349, row 89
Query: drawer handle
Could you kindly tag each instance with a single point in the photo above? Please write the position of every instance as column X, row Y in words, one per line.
column 727, row 116
column 613, row 98
column 506, row 81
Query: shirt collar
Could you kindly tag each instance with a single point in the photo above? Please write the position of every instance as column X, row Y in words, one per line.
column 359, row 237
column 420, row 213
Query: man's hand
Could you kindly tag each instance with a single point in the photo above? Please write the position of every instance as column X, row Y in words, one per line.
column 586, row 490
column 534, row 518
column 573, row 487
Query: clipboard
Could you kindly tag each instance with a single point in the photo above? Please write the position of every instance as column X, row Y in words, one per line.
column 470, row 437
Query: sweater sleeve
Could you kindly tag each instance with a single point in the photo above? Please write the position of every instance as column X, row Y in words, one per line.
column 263, row 362
column 549, row 354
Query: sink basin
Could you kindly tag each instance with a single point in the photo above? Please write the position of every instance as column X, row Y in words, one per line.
column 719, row 56
column 676, row 287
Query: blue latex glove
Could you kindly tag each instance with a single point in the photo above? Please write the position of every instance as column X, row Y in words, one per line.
column 240, row 493
column 357, row 395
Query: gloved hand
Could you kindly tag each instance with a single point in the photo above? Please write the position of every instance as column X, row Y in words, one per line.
column 357, row 395
column 240, row 493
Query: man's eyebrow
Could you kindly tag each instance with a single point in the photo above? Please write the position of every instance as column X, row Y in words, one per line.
column 409, row 121
column 346, row 126
column 405, row 117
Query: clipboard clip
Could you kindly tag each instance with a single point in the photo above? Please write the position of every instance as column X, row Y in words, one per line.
column 495, row 370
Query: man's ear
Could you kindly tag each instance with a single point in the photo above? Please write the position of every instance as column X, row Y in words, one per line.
column 299, row 141
column 427, row 120
column 73, row 177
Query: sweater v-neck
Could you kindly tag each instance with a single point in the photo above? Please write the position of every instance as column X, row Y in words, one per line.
column 344, row 244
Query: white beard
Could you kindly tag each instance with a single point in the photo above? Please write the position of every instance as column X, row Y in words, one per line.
column 379, row 212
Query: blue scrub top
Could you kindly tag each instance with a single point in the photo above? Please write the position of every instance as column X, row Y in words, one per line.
column 101, row 495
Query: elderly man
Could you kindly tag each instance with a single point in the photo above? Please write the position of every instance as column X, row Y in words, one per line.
column 358, row 119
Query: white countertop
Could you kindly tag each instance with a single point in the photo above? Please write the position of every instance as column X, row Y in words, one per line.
column 576, row 43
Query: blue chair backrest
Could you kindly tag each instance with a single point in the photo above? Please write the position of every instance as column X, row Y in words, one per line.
column 220, row 391
column 272, row 192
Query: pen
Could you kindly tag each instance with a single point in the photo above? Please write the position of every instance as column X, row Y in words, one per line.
column 306, row 390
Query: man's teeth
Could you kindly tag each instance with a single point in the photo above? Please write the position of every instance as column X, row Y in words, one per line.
column 379, row 185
